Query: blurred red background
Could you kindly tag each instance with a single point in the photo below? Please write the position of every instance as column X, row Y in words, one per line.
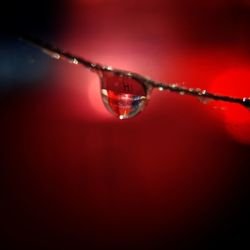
column 176, row 176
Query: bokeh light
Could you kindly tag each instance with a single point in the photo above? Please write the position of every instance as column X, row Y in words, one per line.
column 234, row 82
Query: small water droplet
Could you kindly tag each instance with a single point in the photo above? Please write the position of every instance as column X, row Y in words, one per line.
column 56, row 56
column 52, row 54
column 160, row 88
column 74, row 61
column 182, row 92
column 201, row 92
column 174, row 86
column 109, row 68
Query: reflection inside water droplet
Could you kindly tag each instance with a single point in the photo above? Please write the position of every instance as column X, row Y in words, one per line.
column 123, row 105
column 123, row 96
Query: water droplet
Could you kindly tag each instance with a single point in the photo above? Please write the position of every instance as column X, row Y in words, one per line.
column 201, row 92
column 123, row 105
column 52, row 54
column 182, row 92
column 204, row 92
column 74, row 61
column 109, row 68
column 123, row 96
column 174, row 86
column 160, row 88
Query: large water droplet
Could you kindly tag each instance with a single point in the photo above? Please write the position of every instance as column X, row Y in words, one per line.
column 123, row 96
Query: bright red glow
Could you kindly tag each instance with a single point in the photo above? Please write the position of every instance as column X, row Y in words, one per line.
column 234, row 82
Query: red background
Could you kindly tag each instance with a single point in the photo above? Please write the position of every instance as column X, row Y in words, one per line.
column 176, row 176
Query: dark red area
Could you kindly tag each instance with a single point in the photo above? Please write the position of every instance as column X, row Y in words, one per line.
column 73, row 176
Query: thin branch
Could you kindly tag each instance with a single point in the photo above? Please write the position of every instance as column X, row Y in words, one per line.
column 202, row 94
